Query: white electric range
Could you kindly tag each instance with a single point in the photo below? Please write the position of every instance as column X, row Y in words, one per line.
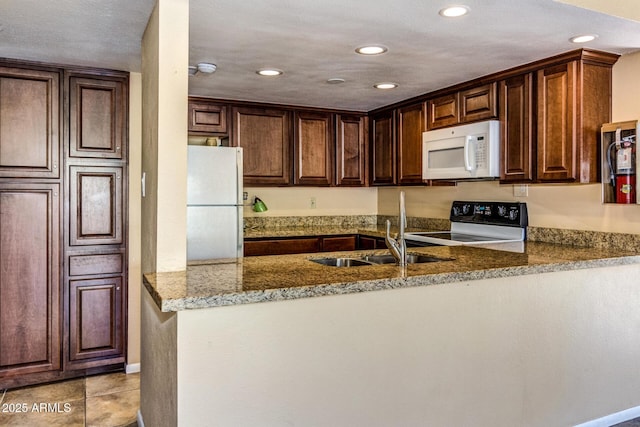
column 493, row 225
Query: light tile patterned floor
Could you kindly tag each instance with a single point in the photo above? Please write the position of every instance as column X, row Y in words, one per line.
column 110, row 400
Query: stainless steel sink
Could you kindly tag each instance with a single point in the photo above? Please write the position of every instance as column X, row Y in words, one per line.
column 341, row 262
column 411, row 259
column 376, row 260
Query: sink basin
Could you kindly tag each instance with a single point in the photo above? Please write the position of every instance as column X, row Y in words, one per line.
column 411, row 259
column 376, row 260
column 341, row 262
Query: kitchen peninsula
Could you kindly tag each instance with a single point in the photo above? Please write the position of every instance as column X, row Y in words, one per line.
column 280, row 340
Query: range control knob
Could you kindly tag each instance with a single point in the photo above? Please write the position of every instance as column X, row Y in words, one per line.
column 513, row 214
column 466, row 209
column 502, row 210
column 456, row 211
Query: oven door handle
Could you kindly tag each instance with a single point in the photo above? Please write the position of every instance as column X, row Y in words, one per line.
column 469, row 162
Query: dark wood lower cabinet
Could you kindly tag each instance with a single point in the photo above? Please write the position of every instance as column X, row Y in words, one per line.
column 340, row 243
column 95, row 321
column 299, row 245
column 367, row 242
column 63, row 238
column 30, row 327
column 281, row 246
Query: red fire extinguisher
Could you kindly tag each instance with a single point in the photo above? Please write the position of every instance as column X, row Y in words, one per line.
column 621, row 156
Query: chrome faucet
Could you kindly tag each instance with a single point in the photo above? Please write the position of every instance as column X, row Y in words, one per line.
column 398, row 248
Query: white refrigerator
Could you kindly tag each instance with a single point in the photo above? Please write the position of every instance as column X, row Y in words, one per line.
column 214, row 202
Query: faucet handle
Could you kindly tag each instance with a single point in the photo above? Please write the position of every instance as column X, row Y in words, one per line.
column 391, row 243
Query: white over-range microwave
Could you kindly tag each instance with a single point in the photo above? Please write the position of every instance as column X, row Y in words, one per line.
column 462, row 152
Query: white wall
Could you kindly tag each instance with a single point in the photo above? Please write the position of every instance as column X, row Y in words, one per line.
column 134, row 245
column 165, row 51
column 296, row 201
column 553, row 349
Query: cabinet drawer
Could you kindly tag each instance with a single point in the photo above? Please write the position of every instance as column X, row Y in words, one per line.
column 280, row 247
column 80, row 265
column 342, row 243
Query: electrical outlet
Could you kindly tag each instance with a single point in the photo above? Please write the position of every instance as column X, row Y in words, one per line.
column 245, row 196
column 520, row 190
column 312, row 204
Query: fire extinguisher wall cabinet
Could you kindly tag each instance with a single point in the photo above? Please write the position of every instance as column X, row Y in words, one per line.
column 620, row 162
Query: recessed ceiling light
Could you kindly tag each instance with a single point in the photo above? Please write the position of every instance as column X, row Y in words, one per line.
column 385, row 85
column 454, row 11
column 583, row 39
column 335, row 81
column 371, row 50
column 269, row 72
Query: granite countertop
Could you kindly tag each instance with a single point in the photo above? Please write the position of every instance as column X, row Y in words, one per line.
column 285, row 277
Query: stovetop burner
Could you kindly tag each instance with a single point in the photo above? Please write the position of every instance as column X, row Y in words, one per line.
column 474, row 223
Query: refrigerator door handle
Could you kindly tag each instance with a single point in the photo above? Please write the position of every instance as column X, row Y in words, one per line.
column 240, row 248
column 240, row 178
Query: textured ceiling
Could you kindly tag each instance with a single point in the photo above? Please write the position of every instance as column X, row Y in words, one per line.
column 314, row 40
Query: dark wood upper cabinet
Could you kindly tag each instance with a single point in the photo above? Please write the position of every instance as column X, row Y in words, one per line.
column 97, row 117
column 411, row 122
column 351, row 150
column 30, row 308
column 314, row 155
column 383, row 149
column 557, row 95
column 517, row 127
column 265, row 136
column 443, row 111
column 96, row 198
column 29, row 123
column 478, row 103
column 574, row 100
column 551, row 117
column 207, row 118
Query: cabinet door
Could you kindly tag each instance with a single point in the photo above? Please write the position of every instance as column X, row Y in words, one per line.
column 95, row 205
column 557, row 95
column 517, row 127
column 411, row 124
column 96, row 326
column 478, row 103
column 207, row 118
column 97, row 117
column 443, row 111
column 264, row 134
column 313, row 148
column 383, row 149
column 29, row 123
column 351, row 153
column 29, row 279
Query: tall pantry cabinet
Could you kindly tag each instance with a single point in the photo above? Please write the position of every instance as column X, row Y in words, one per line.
column 63, row 166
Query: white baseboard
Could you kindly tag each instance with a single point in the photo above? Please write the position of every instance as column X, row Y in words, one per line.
column 139, row 419
column 612, row 419
column 132, row 368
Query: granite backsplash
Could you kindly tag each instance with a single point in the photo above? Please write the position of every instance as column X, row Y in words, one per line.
column 584, row 238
